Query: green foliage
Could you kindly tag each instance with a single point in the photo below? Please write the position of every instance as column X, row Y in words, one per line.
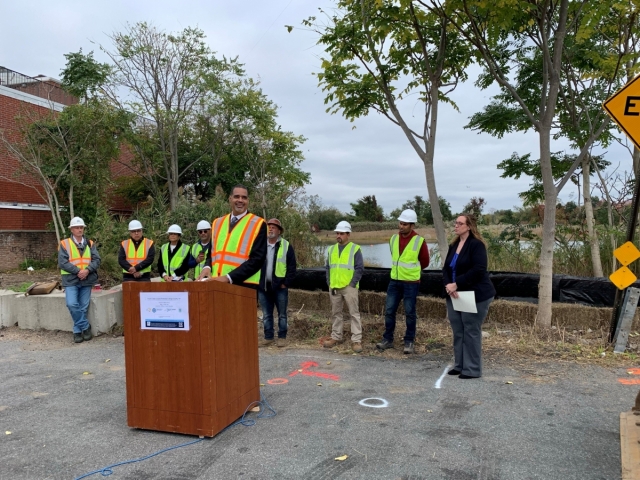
column 321, row 217
column 367, row 209
column 374, row 226
column 47, row 264
column 475, row 207
column 20, row 288
column 518, row 165
column 82, row 76
column 423, row 210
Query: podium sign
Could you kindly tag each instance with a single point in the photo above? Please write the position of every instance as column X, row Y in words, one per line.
column 193, row 375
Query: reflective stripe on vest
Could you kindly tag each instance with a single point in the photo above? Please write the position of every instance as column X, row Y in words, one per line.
column 342, row 265
column 176, row 261
column 229, row 250
column 80, row 261
column 281, row 259
column 195, row 251
column 134, row 257
column 405, row 267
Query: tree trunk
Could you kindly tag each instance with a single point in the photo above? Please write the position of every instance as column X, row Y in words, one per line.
column 545, row 286
column 438, row 223
column 594, row 243
column 173, row 169
column 430, row 148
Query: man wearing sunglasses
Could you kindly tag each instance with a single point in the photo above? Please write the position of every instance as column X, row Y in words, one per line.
column 201, row 249
column 136, row 255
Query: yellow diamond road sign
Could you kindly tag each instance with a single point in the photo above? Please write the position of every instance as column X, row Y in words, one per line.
column 622, row 278
column 624, row 108
column 626, row 253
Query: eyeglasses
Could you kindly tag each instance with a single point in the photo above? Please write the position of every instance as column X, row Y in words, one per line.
column 203, row 231
column 459, row 224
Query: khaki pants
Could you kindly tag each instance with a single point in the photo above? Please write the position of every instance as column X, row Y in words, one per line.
column 350, row 297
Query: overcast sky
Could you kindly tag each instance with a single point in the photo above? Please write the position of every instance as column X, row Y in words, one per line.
column 345, row 163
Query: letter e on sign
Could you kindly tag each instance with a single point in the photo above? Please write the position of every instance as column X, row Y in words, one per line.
column 624, row 109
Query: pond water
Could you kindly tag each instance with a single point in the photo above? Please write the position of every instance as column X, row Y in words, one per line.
column 379, row 255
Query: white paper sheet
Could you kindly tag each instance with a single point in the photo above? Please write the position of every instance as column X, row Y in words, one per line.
column 164, row 311
column 466, row 302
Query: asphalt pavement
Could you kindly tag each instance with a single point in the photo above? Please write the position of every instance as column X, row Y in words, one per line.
column 65, row 408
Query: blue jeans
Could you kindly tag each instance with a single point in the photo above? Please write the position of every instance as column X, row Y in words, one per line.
column 268, row 299
column 78, row 298
column 395, row 292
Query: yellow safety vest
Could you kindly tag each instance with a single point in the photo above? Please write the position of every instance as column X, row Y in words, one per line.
column 176, row 261
column 281, row 259
column 342, row 265
column 134, row 257
column 80, row 261
column 195, row 251
column 229, row 250
column 406, row 267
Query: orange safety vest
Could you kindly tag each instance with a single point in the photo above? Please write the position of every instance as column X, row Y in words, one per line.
column 231, row 249
column 134, row 257
column 80, row 261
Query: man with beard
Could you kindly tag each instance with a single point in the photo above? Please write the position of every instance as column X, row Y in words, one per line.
column 277, row 274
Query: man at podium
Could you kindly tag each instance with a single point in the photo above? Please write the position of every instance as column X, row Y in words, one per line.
column 238, row 244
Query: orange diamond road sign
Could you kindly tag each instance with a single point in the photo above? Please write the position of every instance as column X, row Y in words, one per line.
column 624, row 108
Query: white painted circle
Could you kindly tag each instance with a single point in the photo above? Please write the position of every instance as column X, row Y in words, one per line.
column 383, row 404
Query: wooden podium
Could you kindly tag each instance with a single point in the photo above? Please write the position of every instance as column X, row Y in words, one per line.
column 198, row 381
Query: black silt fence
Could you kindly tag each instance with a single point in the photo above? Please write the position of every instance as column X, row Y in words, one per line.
column 597, row 292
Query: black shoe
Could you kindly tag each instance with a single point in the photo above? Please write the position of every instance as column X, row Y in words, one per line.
column 454, row 372
column 465, row 377
column 384, row 344
column 77, row 338
column 408, row 347
column 86, row 334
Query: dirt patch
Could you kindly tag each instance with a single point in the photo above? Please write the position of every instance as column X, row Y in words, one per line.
column 18, row 278
column 516, row 343
column 41, row 340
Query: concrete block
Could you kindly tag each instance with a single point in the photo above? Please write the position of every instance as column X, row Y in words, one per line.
column 49, row 312
column 6, row 300
column 105, row 310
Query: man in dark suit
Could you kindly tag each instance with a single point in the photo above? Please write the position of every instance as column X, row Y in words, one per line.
column 238, row 244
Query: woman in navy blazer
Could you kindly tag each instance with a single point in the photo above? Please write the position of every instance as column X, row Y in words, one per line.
column 465, row 269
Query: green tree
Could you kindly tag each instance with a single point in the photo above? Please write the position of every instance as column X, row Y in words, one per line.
column 366, row 209
column 166, row 78
column 475, row 207
column 83, row 76
column 511, row 36
column 381, row 52
column 69, row 154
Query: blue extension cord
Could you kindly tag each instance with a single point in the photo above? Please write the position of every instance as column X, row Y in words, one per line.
column 247, row 422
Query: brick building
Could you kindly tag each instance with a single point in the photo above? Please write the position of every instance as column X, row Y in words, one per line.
column 24, row 213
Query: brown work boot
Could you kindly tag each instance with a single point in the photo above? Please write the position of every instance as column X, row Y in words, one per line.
column 266, row 342
column 332, row 342
column 281, row 342
column 356, row 347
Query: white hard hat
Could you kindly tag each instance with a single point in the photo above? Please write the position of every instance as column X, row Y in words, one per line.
column 77, row 222
column 343, row 227
column 203, row 225
column 135, row 225
column 175, row 229
column 408, row 216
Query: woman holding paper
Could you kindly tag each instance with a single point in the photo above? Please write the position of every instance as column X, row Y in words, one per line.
column 469, row 292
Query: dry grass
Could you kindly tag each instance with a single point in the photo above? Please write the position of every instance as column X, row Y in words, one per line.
column 579, row 333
